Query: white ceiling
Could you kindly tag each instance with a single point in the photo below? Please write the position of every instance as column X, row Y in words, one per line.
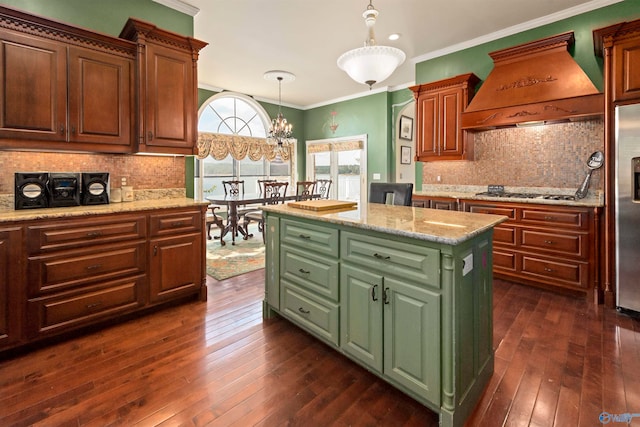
column 249, row 37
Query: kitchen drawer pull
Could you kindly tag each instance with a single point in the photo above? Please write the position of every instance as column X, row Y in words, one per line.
column 177, row 224
column 377, row 255
column 373, row 293
column 550, row 218
column 304, row 236
column 303, row 311
column 94, row 267
column 549, row 242
column 303, row 271
column 94, row 305
column 550, row 270
column 93, row 234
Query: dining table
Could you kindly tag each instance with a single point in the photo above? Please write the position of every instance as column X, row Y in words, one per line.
column 232, row 202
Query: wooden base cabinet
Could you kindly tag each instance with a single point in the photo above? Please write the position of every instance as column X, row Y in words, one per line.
column 10, row 272
column 545, row 245
column 400, row 307
column 444, row 203
column 83, row 270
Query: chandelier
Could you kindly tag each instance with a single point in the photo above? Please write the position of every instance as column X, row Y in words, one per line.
column 280, row 130
column 371, row 64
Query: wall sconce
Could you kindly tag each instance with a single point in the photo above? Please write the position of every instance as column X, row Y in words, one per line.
column 333, row 124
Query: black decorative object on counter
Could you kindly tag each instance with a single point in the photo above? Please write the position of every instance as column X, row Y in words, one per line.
column 94, row 188
column 31, row 191
column 64, row 189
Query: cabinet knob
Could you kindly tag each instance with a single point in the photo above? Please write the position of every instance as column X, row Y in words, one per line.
column 155, row 250
column 150, row 136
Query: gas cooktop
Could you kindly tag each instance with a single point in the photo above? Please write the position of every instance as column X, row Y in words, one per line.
column 498, row 191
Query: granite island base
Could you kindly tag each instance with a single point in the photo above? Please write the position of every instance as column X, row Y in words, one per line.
column 404, row 292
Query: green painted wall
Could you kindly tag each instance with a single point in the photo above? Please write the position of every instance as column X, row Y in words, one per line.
column 367, row 115
column 107, row 16
column 477, row 60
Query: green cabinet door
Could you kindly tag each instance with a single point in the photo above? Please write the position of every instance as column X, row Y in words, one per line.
column 361, row 315
column 412, row 337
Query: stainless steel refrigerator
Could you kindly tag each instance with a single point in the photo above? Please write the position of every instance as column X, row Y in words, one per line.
column 627, row 216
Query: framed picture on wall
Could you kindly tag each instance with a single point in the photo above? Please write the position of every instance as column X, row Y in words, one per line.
column 405, row 155
column 406, row 128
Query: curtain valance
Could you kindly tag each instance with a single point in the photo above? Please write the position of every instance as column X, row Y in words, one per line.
column 219, row 146
column 354, row 144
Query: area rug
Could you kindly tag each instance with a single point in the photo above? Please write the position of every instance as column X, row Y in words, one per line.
column 232, row 260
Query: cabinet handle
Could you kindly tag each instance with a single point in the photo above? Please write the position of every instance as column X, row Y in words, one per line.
column 94, row 305
column 385, row 295
column 94, row 267
column 377, row 255
column 73, row 130
column 549, row 218
column 177, row 224
column 155, row 250
column 549, row 242
column 304, row 236
column 61, row 129
column 303, row 271
column 373, row 293
column 150, row 136
column 550, row 270
column 303, row 311
column 94, row 234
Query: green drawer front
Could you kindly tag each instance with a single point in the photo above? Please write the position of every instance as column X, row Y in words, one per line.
column 417, row 263
column 317, row 316
column 310, row 236
column 310, row 271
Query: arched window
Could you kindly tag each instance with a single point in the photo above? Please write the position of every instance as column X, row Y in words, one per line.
column 229, row 113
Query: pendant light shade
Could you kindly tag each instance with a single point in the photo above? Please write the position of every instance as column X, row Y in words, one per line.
column 371, row 64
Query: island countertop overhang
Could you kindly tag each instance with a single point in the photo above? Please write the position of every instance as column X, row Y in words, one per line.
column 433, row 225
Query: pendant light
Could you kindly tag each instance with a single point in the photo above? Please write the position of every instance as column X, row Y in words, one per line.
column 371, row 64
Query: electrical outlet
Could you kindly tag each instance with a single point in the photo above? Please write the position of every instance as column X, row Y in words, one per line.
column 376, row 176
column 438, row 178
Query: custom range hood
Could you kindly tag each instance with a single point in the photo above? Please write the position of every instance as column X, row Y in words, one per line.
column 537, row 82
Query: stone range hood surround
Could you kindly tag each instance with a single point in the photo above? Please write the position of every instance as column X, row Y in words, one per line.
column 534, row 82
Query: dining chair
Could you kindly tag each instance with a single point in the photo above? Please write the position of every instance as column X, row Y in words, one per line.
column 275, row 193
column 213, row 219
column 391, row 193
column 305, row 190
column 322, row 188
column 233, row 188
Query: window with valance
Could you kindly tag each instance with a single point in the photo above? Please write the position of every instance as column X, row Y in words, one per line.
column 219, row 146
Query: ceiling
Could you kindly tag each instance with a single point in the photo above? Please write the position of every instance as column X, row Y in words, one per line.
column 249, row 37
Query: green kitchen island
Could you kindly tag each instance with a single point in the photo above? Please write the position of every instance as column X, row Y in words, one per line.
column 405, row 292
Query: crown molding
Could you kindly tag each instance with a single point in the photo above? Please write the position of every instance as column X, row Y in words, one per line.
column 529, row 25
column 179, row 6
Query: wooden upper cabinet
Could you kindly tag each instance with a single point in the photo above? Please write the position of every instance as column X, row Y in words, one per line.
column 619, row 44
column 167, row 88
column 439, row 106
column 64, row 88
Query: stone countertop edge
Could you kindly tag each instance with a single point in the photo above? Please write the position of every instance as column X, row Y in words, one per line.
column 593, row 199
column 88, row 210
column 432, row 225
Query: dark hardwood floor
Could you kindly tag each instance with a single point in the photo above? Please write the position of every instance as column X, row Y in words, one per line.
column 559, row 362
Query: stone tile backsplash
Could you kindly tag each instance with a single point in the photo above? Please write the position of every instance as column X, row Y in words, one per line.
column 144, row 173
column 539, row 156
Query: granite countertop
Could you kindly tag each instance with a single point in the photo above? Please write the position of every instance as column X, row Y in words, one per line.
column 469, row 192
column 449, row 227
column 79, row 211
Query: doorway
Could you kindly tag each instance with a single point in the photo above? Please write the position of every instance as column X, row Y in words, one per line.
column 344, row 161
